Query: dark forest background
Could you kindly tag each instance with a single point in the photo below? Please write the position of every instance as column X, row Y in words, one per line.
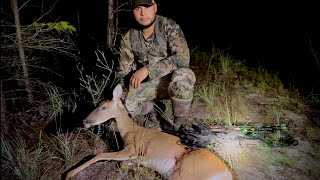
column 278, row 37
column 53, row 76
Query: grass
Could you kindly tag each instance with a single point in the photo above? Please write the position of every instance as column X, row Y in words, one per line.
column 313, row 98
column 242, row 157
column 145, row 173
column 223, row 83
column 59, row 99
column 312, row 133
column 138, row 172
column 271, row 113
column 223, row 86
column 167, row 114
column 205, row 60
column 224, row 76
column 94, row 137
column 22, row 160
column 66, row 145
column 220, row 102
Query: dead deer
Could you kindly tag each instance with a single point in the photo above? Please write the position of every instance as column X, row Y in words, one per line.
column 154, row 149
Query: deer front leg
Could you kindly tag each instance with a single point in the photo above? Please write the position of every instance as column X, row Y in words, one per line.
column 126, row 154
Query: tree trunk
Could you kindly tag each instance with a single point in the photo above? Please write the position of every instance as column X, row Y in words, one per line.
column 110, row 25
column 4, row 124
column 26, row 80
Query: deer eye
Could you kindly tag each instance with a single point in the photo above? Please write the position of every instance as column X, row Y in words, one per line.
column 104, row 108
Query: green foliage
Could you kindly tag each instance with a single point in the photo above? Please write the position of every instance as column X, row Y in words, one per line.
column 226, row 63
column 94, row 85
column 268, row 84
column 59, row 99
column 219, row 101
column 205, row 61
column 243, row 157
column 223, row 79
column 313, row 98
column 21, row 159
column 66, row 146
column 61, row 26
column 312, row 134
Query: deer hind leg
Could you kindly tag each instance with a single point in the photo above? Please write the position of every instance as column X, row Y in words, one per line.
column 125, row 154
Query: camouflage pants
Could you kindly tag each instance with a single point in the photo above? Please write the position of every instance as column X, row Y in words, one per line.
column 178, row 84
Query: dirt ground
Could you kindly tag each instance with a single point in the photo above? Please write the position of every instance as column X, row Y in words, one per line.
column 250, row 159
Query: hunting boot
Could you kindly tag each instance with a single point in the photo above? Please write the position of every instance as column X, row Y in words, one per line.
column 181, row 108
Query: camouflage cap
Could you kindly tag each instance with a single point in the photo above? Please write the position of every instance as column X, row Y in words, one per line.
column 135, row 3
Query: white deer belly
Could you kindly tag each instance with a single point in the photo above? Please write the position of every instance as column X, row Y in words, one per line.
column 164, row 166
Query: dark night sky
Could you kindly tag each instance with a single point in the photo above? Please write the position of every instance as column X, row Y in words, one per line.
column 273, row 35
column 244, row 25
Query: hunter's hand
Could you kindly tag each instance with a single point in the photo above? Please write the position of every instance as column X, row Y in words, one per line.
column 138, row 77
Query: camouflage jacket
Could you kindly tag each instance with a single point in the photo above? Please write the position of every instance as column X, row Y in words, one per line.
column 169, row 50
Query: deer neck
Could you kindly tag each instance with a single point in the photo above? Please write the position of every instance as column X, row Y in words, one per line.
column 125, row 123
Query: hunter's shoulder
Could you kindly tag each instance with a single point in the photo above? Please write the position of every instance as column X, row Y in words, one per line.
column 166, row 21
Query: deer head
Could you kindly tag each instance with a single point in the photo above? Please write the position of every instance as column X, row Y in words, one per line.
column 106, row 110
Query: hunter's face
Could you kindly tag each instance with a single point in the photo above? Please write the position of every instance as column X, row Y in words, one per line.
column 145, row 15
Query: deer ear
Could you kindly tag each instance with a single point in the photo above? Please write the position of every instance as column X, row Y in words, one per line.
column 117, row 92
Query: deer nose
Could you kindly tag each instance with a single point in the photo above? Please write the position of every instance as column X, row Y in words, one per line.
column 87, row 123
column 84, row 122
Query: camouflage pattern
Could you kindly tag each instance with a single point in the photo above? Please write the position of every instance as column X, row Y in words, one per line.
column 166, row 56
column 178, row 85
column 182, row 83
column 169, row 50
